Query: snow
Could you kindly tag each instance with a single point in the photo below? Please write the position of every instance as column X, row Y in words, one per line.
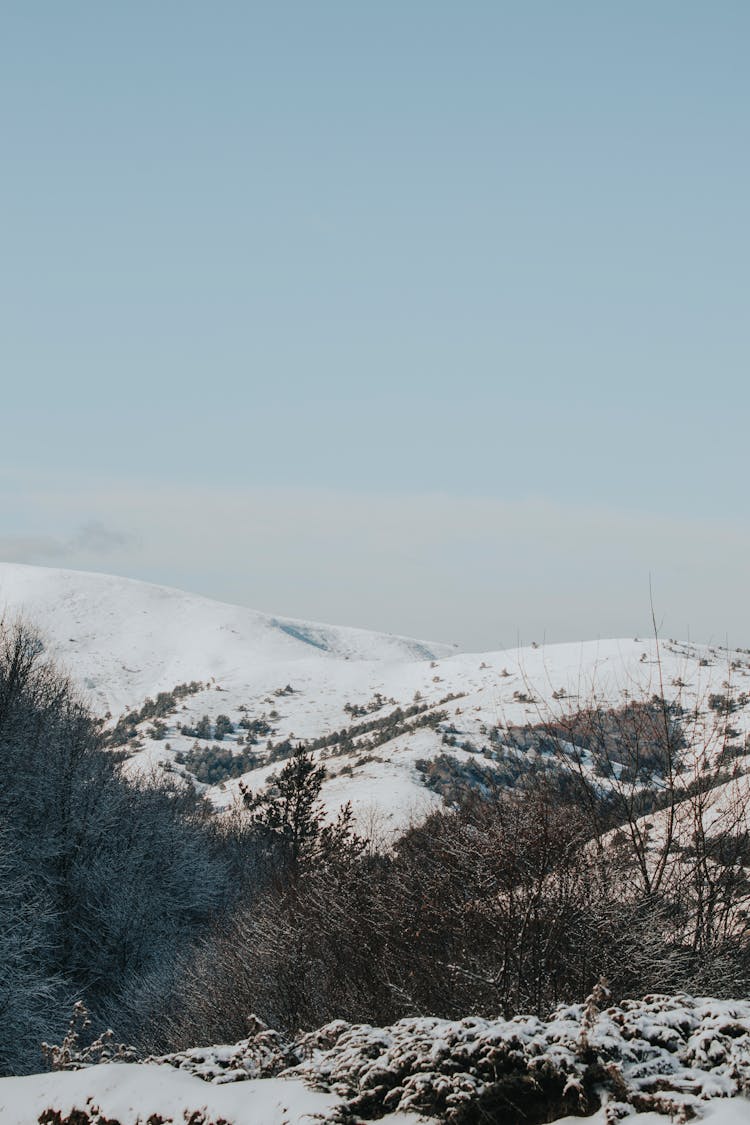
column 130, row 1093
column 123, row 640
column 726, row 1112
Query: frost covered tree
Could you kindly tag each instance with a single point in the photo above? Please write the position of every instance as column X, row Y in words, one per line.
column 122, row 875
column 31, row 1001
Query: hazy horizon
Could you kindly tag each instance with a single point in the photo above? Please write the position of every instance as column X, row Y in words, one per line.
column 417, row 590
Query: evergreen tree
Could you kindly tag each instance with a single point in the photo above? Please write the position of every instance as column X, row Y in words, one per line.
column 292, row 815
column 223, row 725
column 203, row 727
column 291, row 811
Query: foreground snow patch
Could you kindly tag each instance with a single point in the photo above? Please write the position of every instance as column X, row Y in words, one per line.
column 733, row 1112
column 139, row 1094
column 131, row 1093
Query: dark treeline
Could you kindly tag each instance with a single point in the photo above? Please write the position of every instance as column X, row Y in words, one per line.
column 498, row 907
column 174, row 926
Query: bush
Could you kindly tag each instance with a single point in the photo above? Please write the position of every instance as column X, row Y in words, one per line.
column 213, row 764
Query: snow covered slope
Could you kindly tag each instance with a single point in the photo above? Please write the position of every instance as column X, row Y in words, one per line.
column 123, row 639
column 380, row 709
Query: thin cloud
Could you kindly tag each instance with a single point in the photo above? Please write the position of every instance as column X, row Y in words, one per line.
column 92, row 538
column 96, row 538
column 31, row 548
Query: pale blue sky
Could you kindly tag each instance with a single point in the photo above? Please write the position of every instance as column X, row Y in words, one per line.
column 486, row 260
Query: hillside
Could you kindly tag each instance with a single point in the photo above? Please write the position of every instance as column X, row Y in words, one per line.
column 395, row 718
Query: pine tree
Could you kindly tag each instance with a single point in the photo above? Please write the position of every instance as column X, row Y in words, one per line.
column 291, row 813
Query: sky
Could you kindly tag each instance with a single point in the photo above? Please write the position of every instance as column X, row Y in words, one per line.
column 421, row 316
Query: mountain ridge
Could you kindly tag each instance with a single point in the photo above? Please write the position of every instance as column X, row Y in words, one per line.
column 394, row 718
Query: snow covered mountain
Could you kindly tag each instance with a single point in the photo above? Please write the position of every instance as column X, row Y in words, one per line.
column 124, row 639
column 391, row 716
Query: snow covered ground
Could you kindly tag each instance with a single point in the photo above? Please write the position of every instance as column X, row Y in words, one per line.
column 123, row 641
column 130, row 1094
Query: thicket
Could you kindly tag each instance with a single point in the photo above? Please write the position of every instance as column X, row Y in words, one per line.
column 213, row 764
column 400, row 721
column 159, row 708
column 509, row 901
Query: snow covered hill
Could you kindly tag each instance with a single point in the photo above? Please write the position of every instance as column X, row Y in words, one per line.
column 391, row 716
column 124, row 639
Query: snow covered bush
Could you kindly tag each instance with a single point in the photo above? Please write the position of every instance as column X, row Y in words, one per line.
column 73, row 1054
column 662, row 1053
